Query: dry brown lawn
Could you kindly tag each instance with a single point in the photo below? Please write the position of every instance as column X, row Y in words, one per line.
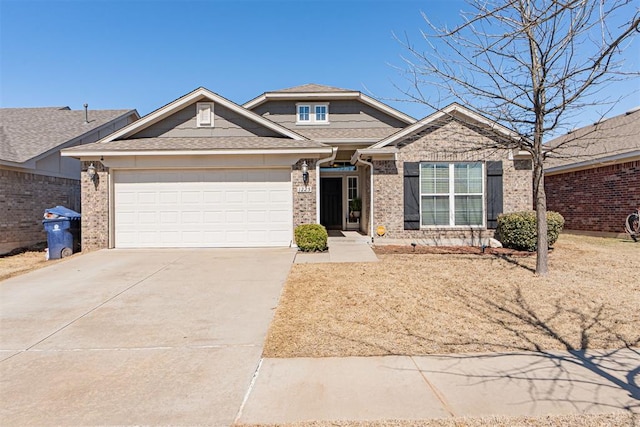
column 596, row 420
column 417, row 304
column 24, row 262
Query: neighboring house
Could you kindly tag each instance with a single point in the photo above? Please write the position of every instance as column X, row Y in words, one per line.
column 593, row 177
column 203, row 171
column 33, row 175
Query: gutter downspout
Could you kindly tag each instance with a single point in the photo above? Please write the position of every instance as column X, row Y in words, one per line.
column 331, row 158
column 360, row 160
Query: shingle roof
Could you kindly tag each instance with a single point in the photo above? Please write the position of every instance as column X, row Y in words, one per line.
column 311, row 87
column 614, row 136
column 197, row 143
column 26, row 133
column 363, row 133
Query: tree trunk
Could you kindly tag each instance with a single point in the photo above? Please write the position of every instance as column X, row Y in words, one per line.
column 542, row 267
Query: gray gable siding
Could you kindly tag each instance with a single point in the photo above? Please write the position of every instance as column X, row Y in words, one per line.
column 226, row 123
column 343, row 114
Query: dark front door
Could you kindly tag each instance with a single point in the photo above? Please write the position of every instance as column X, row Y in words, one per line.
column 331, row 203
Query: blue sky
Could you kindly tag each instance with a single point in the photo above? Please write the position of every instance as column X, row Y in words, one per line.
column 144, row 54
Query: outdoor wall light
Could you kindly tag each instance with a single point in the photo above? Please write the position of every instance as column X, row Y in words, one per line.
column 305, row 173
column 91, row 172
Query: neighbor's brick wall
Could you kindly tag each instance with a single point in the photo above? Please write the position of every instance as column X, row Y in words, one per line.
column 95, row 208
column 444, row 144
column 597, row 199
column 23, row 199
column 304, row 204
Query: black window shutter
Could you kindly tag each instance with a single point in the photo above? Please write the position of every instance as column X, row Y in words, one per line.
column 411, row 196
column 494, row 193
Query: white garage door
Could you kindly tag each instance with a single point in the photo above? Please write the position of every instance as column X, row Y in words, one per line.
column 203, row 208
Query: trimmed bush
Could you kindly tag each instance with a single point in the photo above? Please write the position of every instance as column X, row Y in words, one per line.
column 311, row 237
column 518, row 230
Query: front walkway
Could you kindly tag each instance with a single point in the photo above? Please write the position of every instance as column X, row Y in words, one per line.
column 427, row 387
column 344, row 246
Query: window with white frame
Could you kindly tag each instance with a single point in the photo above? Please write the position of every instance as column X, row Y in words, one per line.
column 312, row 114
column 321, row 113
column 352, row 188
column 303, row 113
column 204, row 114
column 451, row 194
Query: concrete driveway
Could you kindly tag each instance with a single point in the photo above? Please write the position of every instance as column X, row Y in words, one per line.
column 137, row 336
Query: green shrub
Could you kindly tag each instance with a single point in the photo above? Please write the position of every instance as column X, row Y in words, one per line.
column 311, row 237
column 518, row 230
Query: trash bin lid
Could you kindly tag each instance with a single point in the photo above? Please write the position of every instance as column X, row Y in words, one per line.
column 61, row 211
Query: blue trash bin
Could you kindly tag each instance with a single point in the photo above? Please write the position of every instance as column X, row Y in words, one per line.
column 63, row 231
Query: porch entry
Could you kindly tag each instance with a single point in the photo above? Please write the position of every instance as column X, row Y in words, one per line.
column 331, row 203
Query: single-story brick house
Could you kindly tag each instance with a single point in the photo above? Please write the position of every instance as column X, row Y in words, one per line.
column 593, row 179
column 203, row 171
column 33, row 175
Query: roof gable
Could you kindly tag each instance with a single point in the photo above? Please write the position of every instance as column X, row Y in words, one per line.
column 29, row 133
column 314, row 91
column 453, row 110
column 199, row 95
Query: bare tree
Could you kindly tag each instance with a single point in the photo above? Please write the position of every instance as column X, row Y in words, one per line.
column 531, row 65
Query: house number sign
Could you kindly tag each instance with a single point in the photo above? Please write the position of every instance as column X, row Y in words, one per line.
column 305, row 189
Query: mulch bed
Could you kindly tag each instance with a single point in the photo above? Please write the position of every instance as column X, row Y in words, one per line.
column 448, row 250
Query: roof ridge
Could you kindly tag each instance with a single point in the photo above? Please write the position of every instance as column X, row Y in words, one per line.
column 312, row 87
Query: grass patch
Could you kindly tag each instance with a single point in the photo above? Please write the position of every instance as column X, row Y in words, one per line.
column 24, row 260
column 420, row 304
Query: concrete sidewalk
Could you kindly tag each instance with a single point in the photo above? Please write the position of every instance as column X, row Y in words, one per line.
column 425, row 387
column 344, row 246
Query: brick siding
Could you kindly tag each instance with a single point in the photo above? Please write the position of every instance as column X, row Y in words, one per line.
column 304, row 204
column 595, row 200
column 23, row 199
column 451, row 142
column 95, row 208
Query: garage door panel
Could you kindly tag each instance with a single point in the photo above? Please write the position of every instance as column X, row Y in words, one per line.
column 212, row 196
column 168, row 217
column 203, row 208
column 193, row 217
column 213, row 217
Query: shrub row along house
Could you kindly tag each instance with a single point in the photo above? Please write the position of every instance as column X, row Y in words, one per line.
column 33, row 175
column 203, row 171
column 593, row 179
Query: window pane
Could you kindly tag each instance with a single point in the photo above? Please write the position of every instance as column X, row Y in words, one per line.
column 435, row 210
column 468, row 210
column 321, row 113
column 303, row 113
column 434, row 178
column 352, row 187
column 468, row 178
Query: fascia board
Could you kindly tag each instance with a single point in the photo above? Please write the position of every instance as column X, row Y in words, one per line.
column 196, row 95
column 155, row 116
column 343, row 141
column 449, row 110
column 29, row 164
column 589, row 164
column 255, row 102
column 299, row 96
column 79, row 154
column 387, row 153
column 387, row 109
